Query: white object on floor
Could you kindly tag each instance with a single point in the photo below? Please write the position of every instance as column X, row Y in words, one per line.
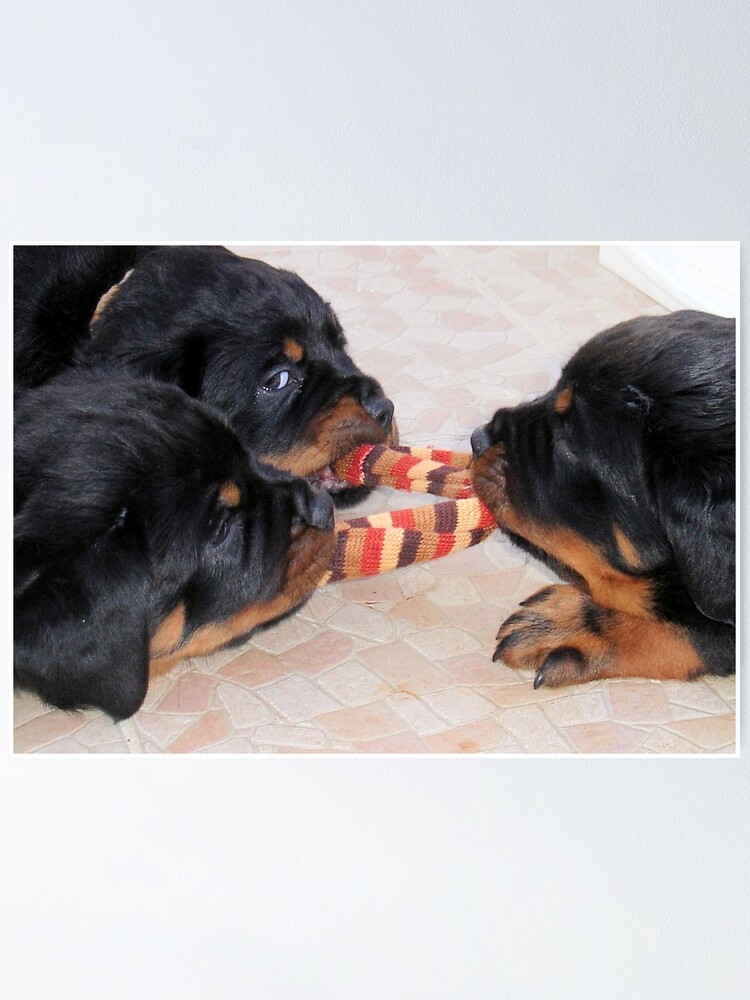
column 679, row 275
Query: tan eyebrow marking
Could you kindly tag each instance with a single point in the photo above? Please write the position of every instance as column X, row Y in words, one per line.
column 563, row 400
column 293, row 350
column 230, row 495
column 627, row 549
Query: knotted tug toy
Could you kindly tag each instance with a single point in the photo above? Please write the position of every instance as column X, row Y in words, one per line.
column 366, row 546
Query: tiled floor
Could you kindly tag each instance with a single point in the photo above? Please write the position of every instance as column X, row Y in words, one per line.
column 402, row 663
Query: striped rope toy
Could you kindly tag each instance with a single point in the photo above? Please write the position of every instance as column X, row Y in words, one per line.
column 366, row 546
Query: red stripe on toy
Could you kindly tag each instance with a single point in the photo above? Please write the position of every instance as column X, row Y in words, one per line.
column 444, row 545
column 403, row 518
column 371, row 557
column 399, row 471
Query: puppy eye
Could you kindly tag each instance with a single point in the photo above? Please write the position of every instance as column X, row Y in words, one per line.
column 219, row 526
column 277, row 381
column 563, row 447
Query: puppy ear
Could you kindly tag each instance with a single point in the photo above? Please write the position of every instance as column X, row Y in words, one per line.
column 81, row 626
column 701, row 530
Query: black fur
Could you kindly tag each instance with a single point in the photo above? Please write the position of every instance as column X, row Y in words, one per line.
column 120, row 518
column 215, row 324
column 646, row 444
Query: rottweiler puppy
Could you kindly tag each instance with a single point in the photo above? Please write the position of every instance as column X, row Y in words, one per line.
column 143, row 533
column 251, row 340
column 622, row 479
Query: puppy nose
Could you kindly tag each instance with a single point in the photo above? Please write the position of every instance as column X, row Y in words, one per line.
column 313, row 507
column 480, row 441
column 380, row 408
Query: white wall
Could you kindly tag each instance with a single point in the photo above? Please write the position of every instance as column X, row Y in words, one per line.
column 702, row 276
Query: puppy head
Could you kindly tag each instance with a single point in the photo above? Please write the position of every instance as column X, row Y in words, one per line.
column 629, row 461
column 144, row 533
column 254, row 341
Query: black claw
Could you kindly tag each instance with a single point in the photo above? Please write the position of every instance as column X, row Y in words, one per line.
column 537, row 598
column 517, row 618
column 512, row 639
column 541, row 677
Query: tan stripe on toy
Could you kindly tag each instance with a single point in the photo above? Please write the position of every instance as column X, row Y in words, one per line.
column 383, row 542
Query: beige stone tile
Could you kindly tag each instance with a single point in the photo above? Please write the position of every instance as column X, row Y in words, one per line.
column 161, row 684
column 44, row 729
column 236, row 745
column 418, row 611
column 191, row 695
column 499, row 586
column 363, row 621
column 700, row 695
column 458, row 705
column 67, row 745
column 724, row 687
column 605, row 737
column 639, row 701
column 353, row 684
column 366, row 722
column 413, row 580
column 661, row 741
column 512, row 695
column 453, row 591
column 297, row 699
column 321, row 605
column 400, row 743
column 255, row 668
column 443, row 642
column 533, row 730
column 573, row 709
column 416, row 714
column 27, row 706
column 279, row 638
column 100, row 730
column 404, row 669
column 244, row 708
column 475, row 737
column 710, row 733
column 160, row 729
column 372, row 590
column 297, row 737
column 315, row 655
column 210, row 729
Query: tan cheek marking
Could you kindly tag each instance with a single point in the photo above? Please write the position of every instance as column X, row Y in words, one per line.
column 169, row 633
column 329, row 437
column 309, row 557
column 293, row 350
column 609, row 587
column 627, row 550
column 563, row 400
column 230, row 495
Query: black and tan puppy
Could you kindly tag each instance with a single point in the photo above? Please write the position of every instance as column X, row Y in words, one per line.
column 143, row 534
column 254, row 341
column 622, row 479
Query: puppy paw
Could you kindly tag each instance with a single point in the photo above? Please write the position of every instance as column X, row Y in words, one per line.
column 560, row 634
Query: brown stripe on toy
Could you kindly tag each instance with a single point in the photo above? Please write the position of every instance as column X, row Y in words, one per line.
column 366, row 546
column 426, row 470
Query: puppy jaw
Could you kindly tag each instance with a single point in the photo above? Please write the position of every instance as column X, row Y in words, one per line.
column 309, row 557
column 330, row 436
column 608, row 586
